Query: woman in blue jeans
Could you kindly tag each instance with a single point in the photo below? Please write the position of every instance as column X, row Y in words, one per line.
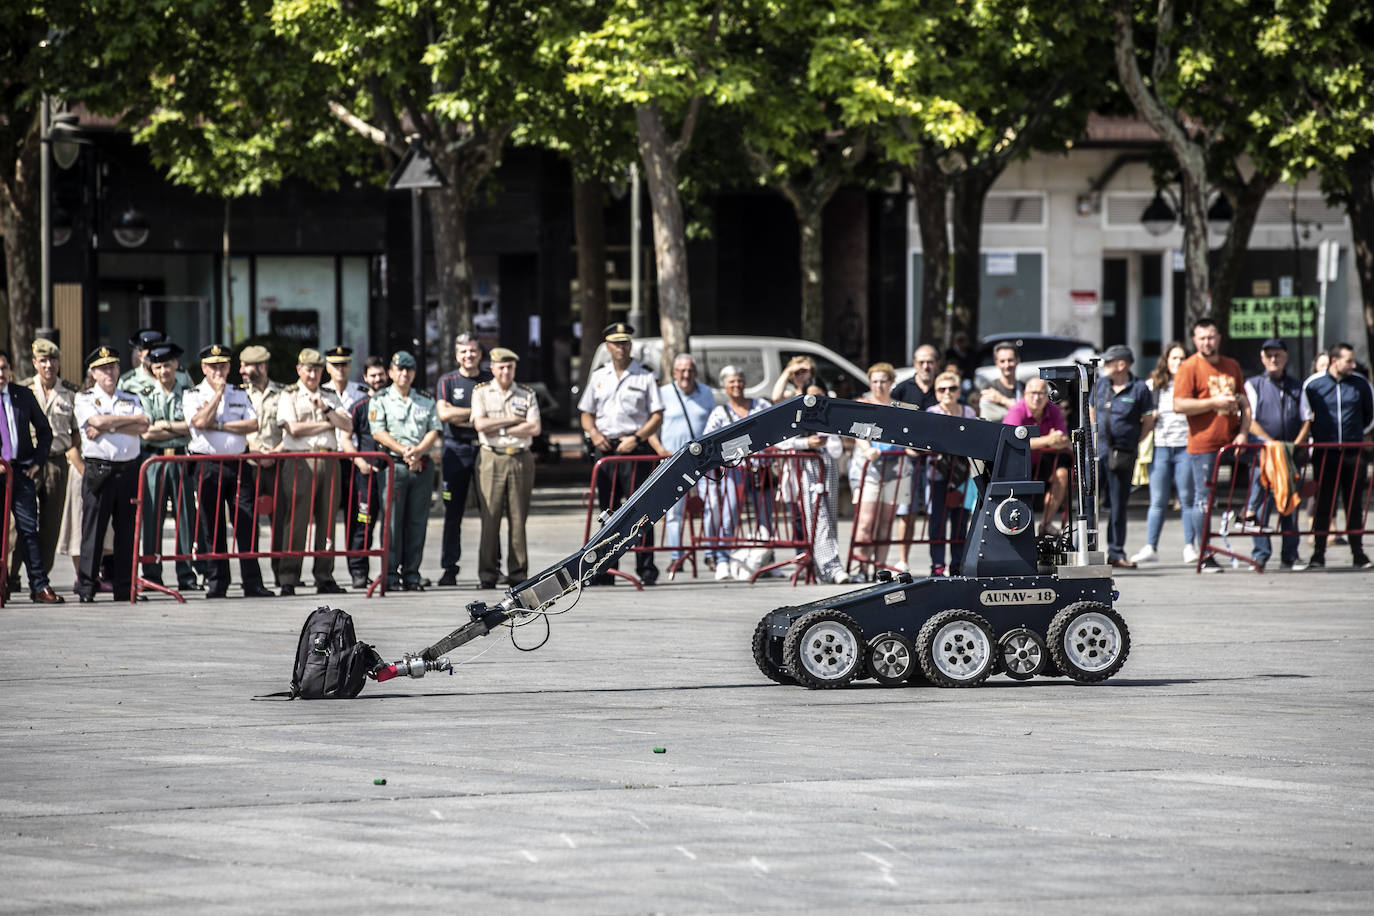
column 1171, row 469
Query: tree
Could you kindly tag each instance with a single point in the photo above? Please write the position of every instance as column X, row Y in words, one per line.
column 667, row 60
column 1000, row 79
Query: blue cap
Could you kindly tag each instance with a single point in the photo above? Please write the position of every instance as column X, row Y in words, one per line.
column 1274, row 343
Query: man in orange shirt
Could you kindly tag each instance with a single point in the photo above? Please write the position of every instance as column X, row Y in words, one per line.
column 1209, row 390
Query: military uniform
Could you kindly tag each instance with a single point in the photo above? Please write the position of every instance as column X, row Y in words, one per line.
column 59, row 406
column 459, row 463
column 225, row 489
column 407, row 420
column 110, row 484
column 314, row 487
column 365, row 495
column 505, row 478
column 349, row 393
column 620, row 405
column 167, row 480
column 267, row 439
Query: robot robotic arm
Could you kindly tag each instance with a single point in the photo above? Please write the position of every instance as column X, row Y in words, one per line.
column 1001, row 539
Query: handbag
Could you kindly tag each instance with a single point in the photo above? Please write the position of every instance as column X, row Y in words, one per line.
column 1120, row 460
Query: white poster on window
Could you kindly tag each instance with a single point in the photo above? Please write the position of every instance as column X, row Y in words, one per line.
column 1001, row 263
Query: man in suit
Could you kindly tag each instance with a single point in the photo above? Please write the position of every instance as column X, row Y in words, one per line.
column 26, row 453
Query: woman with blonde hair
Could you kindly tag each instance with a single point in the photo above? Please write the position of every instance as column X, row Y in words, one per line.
column 949, row 476
column 878, row 478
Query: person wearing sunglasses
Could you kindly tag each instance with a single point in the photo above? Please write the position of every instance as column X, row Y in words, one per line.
column 949, row 476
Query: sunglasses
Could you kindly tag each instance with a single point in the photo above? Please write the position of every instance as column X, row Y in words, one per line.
column 946, row 388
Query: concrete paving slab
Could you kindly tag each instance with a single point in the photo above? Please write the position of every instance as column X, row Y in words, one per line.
column 1224, row 770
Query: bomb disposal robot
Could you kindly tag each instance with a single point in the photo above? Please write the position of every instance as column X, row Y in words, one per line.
column 1022, row 607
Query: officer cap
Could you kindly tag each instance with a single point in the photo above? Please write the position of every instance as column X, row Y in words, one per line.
column 255, row 354
column 402, row 359
column 144, row 338
column 309, row 357
column 617, row 332
column 162, row 352
column 1272, row 343
column 339, row 355
column 44, row 347
column 503, row 355
column 1118, row 351
column 215, row 353
column 102, row 356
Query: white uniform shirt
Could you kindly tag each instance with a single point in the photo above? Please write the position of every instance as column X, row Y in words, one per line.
column 621, row 405
column 295, row 407
column 353, row 393
column 234, row 405
column 111, row 446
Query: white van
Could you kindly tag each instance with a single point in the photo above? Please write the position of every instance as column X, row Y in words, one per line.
column 760, row 358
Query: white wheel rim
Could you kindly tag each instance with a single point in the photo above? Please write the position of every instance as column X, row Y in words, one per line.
column 829, row 651
column 1021, row 653
column 1092, row 641
column 960, row 650
column 891, row 658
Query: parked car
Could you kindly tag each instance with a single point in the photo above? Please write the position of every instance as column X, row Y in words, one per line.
column 761, row 358
column 1036, row 350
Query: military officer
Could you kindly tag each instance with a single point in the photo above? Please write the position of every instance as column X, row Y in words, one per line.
column 111, row 422
column 167, row 434
column 312, row 420
column 264, row 394
column 339, row 363
column 366, row 504
column 506, row 417
column 140, row 377
column 621, row 409
column 57, row 398
column 220, row 418
column 406, row 424
column 460, row 446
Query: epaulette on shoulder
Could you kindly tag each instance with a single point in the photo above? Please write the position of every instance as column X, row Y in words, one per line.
column 67, row 386
column 287, row 389
column 480, row 385
column 428, row 394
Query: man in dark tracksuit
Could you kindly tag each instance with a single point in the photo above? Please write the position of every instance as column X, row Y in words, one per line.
column 1338, row 406
column 454, row 402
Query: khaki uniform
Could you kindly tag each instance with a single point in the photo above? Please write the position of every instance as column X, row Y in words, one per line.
column 268, row 439
column 165, row 481
column 505, row 479
column 59, row 406
column 407, row 419
column 314, row 484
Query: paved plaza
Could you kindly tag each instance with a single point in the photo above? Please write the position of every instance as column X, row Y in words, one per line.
column 1226, row 769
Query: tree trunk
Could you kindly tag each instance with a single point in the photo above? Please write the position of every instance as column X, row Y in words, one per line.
column 589, row 225
column 1245, row 198
column 970, row 190
column 19, row 224
column 932, row 218
column 809, row 221
column 1360, row 206
column 448, row 209
column 1189, row 154
column 670, row 234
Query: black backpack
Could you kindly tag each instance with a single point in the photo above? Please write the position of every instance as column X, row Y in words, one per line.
column 330, row 662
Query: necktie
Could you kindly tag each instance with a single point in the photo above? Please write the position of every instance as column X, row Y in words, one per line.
column 6, row 443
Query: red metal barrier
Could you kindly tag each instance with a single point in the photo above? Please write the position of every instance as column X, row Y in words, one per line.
column 757, row 505
column 5, row 472
column 893, row 480
column 1331, row 473
column 272, row 490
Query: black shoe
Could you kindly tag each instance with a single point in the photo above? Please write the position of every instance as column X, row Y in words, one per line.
column 1362, row 561
column 12, row 585
column 257, row 591
column 86, row 599
column 361, row 582
column 192, row 586
column 287, row 591
column 393, row 585
column 426, row 582
column 1210, row 565
column 330, row 588
column 124, row 599
column 1318, row 561
column 486, row 585
column 449, row 579
column 413, row 586
column 216, row 593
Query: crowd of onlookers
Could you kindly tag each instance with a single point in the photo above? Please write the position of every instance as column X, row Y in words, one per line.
column 300, row 454
column 78, row 455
